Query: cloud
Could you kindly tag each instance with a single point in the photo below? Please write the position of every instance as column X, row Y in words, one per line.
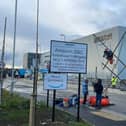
column 76, row 17
column 82, row 16
column 22, row 46
column 99, row 15
column 70, row 17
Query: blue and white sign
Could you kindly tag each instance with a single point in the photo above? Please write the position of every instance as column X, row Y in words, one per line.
column 44, row 70
column 55, row 81
column 68, row 57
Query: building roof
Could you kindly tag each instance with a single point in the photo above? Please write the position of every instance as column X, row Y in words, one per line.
column 104, row 30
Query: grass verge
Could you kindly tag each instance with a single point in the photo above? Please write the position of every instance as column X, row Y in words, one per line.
column 15, row 112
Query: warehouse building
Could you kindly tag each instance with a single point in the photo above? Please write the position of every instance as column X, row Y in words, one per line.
column 114, row 39
column 45, row 59
column 29, row 60
column 97, row 43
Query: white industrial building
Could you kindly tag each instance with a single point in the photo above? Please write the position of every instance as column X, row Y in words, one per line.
column 45, row 59
column 110, row 37
column 29, row 59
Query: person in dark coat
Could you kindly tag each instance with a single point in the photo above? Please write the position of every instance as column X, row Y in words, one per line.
column 108, row 54
column 85, row 90
column 98, row 88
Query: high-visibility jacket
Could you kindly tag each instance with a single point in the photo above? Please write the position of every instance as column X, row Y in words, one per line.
column 114, row 81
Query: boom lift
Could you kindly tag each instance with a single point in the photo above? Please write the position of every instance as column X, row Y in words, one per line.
column 110, row 56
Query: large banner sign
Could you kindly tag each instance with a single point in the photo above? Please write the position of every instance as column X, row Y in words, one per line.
column 55, row 81
column 68, row 57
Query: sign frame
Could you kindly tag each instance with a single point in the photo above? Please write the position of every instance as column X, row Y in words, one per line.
column 68, row 43
column 47, row 84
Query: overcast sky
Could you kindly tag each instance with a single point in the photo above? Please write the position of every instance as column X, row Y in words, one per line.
column 74, row 18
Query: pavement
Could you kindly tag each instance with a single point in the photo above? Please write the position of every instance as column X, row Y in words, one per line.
column 95, row 117
column 100, row 117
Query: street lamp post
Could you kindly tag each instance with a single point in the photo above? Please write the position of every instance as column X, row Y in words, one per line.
column 2, row 64
column 32, row 116
column 64, row 37
column 14, row 42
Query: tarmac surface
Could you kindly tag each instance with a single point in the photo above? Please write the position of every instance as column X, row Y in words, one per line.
column 97, row 117
column 106, row 116
column 102, row 117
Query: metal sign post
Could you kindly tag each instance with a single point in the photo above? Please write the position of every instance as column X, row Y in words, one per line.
column 78, row 107
column 47, row 102
column 53, row 110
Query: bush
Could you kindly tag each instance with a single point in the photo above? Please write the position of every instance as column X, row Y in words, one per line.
column 14, row 102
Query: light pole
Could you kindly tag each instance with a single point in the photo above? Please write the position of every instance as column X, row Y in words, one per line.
column 64, row 37
column 2, row 64
column 32, row 115
column 14, row 42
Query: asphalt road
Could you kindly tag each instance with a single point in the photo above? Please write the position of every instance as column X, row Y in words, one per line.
column 117, row 97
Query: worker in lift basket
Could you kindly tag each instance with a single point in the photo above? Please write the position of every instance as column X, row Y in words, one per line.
column 108, row 54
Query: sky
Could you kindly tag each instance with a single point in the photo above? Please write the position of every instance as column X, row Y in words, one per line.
column 73, row 18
